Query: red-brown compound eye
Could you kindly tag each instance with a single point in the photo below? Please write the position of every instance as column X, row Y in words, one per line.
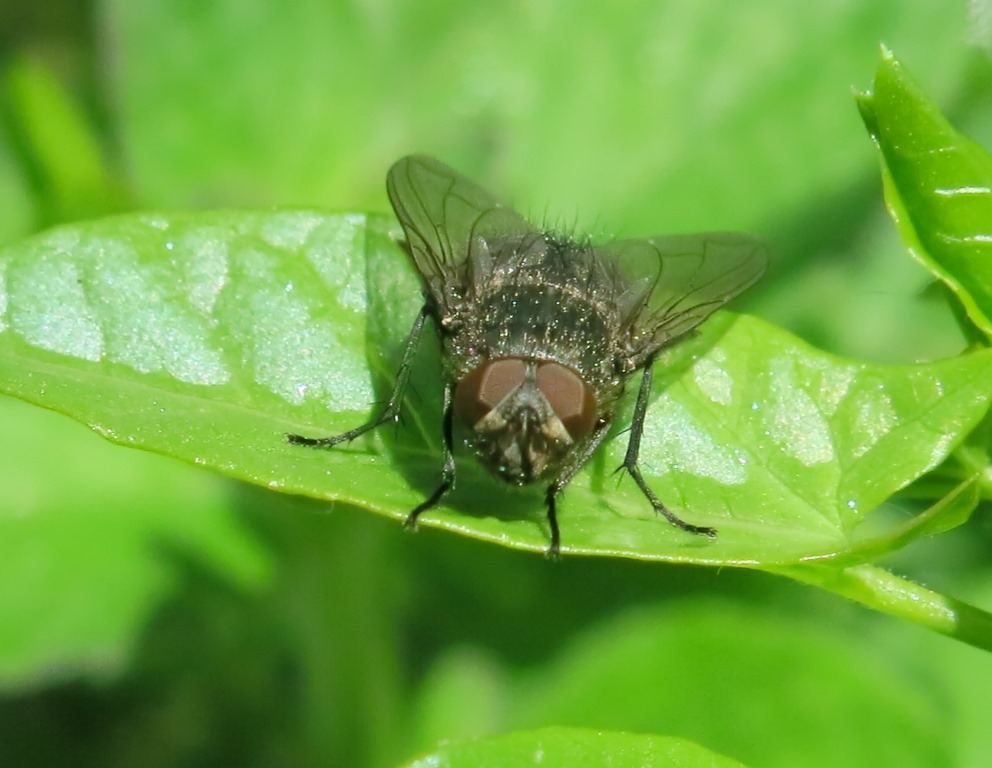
column 485, row 387
column 571, row 399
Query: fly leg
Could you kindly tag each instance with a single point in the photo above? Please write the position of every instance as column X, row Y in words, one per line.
column 390, row 412
column 633, row 450
column 575, row 463
column 447, row 469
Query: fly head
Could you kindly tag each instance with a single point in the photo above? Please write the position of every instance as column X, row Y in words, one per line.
column 525, row 416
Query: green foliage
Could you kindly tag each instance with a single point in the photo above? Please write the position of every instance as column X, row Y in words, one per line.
column 226, row 623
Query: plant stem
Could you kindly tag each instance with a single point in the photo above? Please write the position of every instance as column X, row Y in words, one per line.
column 886, row 592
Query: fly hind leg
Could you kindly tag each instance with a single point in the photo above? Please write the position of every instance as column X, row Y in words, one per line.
column 633, row 451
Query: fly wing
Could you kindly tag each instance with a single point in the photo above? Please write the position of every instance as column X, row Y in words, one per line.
column 450, row 225
column 666, row 286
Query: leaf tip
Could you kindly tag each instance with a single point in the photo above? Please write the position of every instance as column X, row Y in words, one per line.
column 865, row 102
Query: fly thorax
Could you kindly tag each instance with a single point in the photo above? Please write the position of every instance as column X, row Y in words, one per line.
column 525, row 416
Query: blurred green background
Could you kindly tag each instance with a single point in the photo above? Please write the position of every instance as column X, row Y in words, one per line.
column 154, row 614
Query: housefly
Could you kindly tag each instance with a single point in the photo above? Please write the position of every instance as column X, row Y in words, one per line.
column 540, row 332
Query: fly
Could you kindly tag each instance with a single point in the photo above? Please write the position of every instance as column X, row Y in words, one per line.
column 540, row 332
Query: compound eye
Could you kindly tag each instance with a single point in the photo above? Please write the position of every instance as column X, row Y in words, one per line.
column 572, row 400
column 486, row 387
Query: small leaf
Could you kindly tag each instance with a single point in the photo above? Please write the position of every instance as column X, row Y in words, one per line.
column 57, row 144
column 20, row 203
column 210, row 336
column 938, row 185
column 87, row 534
column 579, row 747
column 680, row 668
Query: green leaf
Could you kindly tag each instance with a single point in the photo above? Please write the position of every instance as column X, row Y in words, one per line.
column 938, row 186
column 89, row 534
column 949, row 512
column 57, row 144
column 20, row 209
column 680, row 669
column 579, row 747
column 208, row 337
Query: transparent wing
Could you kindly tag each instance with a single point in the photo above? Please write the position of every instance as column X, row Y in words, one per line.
column 449, row 222
column 669, row 285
